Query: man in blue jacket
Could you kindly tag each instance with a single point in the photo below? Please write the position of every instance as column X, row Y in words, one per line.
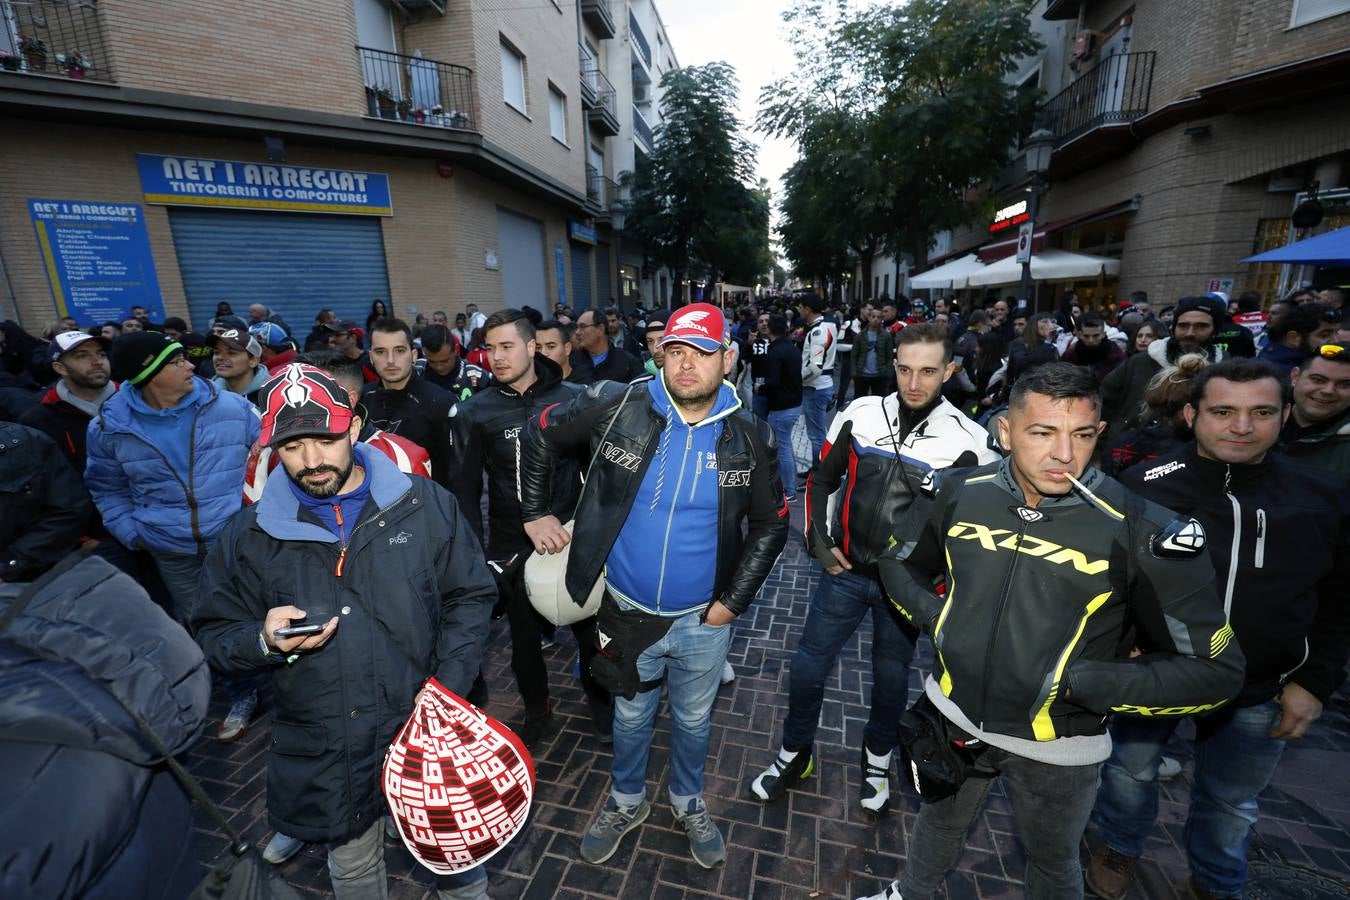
column 681, row 468
column 166, row 460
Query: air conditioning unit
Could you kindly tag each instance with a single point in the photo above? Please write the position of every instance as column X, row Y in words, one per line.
column 1085, row 43
column 642, row 93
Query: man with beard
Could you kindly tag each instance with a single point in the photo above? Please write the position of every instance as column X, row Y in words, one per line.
column 1123, row 390
column 683, row 517
column 442, row 365
column 387, row 566
column 1091, row 348
column 759, row 357
column 405, row 403
column 879, row 450
column 485, row 432
column 81, row 361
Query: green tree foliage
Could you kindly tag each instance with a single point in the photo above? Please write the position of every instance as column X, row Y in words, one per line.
column 929, row 117
column 695, row 203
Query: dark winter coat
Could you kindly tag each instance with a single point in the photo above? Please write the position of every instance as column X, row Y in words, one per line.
column 413, row 599
column 44, row 508
column 90, row 811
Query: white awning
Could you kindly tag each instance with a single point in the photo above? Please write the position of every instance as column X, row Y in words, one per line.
column 1048, row 265
column 950, row 275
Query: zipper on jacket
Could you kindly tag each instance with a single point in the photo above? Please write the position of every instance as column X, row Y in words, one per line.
column 1237, row 543
column 998, row 620
column 378, row 514
column 192, row 467
column 670, row 520
column 1260, row 538
column 1307, row 651
column 342, row 539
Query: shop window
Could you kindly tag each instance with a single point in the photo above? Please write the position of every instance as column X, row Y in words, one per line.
column 513, row 76
column 557, row 114
column 1306, row 11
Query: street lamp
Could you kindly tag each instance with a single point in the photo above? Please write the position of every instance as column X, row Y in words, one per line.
column 1038, row 147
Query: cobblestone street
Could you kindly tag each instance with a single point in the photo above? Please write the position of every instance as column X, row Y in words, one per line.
column 816, row 842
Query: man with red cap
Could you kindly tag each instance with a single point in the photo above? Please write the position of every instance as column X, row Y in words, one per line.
column 680, row 469
column 386, row 567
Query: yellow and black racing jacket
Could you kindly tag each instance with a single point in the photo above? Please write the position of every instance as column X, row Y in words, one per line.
column 1043, row 606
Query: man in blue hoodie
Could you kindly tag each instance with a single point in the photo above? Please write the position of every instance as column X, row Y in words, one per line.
column 680, row 468
column 166, row 459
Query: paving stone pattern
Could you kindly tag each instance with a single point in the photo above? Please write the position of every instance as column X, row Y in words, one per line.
column 816, row 842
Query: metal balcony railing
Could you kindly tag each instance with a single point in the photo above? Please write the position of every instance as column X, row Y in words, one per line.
column 54, row 37
column 643, row 130
column 1113, row 92
column 417, row 90
column 640, row 39
column 602, row 193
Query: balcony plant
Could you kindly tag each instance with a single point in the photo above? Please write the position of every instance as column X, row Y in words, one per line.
column 75, row 63
column 35, row 51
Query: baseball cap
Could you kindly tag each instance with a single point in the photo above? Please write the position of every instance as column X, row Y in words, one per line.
column 236, row 340
column 67, row 341
column 302, row 401
column 139, row 356
column 269, row 334
column 345, row 326
column 229, row 322
column 458, row 782
column 699, row 324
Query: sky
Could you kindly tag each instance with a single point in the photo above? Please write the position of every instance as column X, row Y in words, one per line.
column 750, row 35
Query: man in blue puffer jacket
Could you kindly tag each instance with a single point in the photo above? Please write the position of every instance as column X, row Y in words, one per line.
column 167, row 455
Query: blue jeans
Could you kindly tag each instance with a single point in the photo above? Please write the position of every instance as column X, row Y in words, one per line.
column 690, row 657
column 759, row 405
column 782, row 422
column 1235, row 758
column 180, row 573
column 816, row 405
column 838, row 605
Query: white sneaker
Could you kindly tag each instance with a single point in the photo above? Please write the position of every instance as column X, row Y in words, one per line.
column 237, row 719
column 728, row 673
column 892, row 892
column 1168, row 769
column 281, row 848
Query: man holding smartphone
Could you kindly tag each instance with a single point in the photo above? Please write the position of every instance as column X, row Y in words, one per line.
column 387, row 568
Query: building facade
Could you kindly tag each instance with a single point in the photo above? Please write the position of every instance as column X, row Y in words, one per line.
column 429, row 153
column 1184, row 133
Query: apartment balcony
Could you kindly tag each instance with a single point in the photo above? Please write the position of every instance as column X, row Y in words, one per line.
column 596, row 14
column 1116, row 91
column 646, row 140
column 417, row 91
column 602, row 194
column 53, row 37
column 412, row 6
column 642, row 51
column 599, row 100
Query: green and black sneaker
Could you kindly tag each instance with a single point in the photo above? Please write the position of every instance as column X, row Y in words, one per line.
column 785, row 772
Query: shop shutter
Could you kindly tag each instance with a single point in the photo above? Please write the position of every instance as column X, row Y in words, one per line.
column 296, row 264
column 604, row 277
column 521, row 252
column 581, row 278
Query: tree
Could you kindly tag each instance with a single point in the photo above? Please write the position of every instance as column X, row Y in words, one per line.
column 924, row 83
column 694, row 205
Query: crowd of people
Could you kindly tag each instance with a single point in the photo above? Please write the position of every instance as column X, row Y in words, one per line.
column 1145, row 515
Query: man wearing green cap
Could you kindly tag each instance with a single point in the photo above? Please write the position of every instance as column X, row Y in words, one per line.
column 166, row 460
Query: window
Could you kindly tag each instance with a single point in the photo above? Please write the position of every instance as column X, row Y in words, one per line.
column 557, row 114
column 513, row 77
column 1306, row 11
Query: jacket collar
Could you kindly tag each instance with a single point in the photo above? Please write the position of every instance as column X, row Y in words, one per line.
column 1333, row 429
column 279, row 510
column 1092, row 479
column 727, row 402
column 1221, row 476
column 1166, row 352
column 116, row 414
column 547, row 375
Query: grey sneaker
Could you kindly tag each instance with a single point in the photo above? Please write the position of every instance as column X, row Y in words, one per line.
column 281, row 848
column 237, row 719
column 705, row 841
column 1168, row 768
column 602, row 838
column 728, row 673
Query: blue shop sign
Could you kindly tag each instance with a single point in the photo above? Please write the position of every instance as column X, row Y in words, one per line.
column 190, row 181
column 584, row 234
column 97, row 258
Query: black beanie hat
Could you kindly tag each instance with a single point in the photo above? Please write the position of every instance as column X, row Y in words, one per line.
column 1199, row 304
column 141, row 355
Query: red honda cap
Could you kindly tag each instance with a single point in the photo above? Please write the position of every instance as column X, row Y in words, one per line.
column 700, row 324
column 458, row 782
column 303, row 401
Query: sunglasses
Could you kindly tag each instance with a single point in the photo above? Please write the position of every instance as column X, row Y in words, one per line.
column 1331, row 351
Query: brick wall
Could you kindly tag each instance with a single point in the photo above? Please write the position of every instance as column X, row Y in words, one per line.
column 433, row 244
column 296, row 55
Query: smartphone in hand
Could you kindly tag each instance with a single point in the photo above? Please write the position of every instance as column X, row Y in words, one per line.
column 297, row 631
